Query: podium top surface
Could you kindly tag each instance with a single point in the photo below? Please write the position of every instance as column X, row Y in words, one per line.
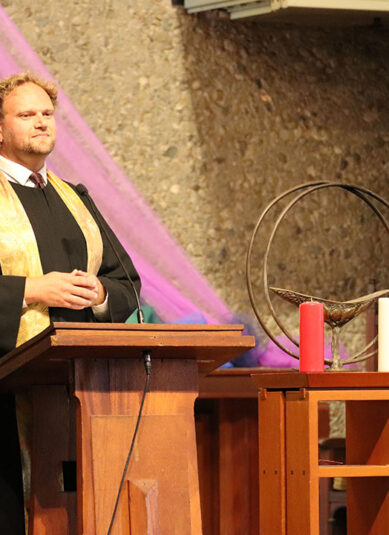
column 290, row 380
column 45, row 358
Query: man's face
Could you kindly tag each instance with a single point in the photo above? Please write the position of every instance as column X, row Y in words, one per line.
column 27, row 129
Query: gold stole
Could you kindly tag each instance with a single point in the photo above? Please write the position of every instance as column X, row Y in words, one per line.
column 19, row 253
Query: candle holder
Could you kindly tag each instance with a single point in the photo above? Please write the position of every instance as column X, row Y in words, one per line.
column 336, row 313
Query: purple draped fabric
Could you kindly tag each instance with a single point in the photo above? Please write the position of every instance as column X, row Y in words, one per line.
column 170, row 282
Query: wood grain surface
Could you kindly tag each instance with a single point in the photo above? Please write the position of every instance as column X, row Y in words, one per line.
column 46, row 355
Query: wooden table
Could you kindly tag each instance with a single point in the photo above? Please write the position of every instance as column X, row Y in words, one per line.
column 288, row 442
column 227, row 444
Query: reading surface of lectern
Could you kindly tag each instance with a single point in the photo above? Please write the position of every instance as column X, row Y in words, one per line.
column 98, row 370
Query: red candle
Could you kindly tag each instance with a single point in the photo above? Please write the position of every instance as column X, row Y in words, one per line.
column 311, row 337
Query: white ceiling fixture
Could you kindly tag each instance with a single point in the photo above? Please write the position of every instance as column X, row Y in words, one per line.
column 251, row 8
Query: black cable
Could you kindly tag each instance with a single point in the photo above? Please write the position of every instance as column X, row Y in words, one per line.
column 147, row 364
column 146, row 354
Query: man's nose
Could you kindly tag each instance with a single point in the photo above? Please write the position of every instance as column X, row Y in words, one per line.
column 40, row 121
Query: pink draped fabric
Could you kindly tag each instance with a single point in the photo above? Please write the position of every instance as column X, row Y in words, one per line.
column 170, row 282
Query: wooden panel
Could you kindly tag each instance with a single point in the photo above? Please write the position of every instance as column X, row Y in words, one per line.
column 368, row 420
column 45, row 355
column 354, row 471
column 113, row 387
column 271, row 429
column 158, row 474
column 341, row 394
column 221, row 384
column 143, row 506
column 53, row 511
column 302, row 489
column 231, row 383
column 227, row 439
column 368, row 506
column 207, row 438
column 144, row 327
column 367, row 439
column 238, row 467
column 327, row 380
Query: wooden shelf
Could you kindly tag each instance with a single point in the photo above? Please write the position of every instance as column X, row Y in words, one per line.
column 373, row 470
column 288, row 441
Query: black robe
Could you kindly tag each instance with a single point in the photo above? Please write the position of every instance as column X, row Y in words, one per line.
column 62, row 247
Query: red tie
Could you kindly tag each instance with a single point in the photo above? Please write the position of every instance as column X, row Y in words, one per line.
column 37, row 178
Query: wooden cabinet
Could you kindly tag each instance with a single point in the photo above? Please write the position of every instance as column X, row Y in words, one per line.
column 227, row 445
column 289, row 457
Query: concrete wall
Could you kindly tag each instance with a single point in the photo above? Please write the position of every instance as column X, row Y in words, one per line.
column 212, row 118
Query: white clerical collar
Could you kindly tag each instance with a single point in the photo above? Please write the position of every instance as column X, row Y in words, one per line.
column 18, row 173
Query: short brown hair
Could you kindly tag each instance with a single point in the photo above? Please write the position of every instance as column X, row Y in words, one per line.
column 12, row 82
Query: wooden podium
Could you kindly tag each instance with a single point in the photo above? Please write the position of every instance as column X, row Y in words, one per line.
column 289, row 468
column 86, row 382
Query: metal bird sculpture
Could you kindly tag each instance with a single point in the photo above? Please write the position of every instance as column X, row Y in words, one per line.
column 336, row 313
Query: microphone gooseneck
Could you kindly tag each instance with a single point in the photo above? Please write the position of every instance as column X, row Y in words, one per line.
column 82, row 190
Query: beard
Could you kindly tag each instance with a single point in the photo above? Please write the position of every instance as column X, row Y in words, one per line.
column 40, row 145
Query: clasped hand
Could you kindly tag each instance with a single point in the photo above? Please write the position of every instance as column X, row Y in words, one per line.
column 76, row 290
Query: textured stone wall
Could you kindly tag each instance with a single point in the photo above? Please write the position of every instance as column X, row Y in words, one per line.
column 212, row 118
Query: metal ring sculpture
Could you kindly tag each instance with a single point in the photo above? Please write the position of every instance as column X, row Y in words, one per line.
column 305, row 189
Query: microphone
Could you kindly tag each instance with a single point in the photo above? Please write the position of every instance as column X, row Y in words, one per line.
column 82, row 190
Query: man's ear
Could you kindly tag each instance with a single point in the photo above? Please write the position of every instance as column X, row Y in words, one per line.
column 1, row 131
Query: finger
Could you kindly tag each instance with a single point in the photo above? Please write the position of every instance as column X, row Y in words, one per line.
column 83, row 281
column 79, row 295
column 80, row 273
column 85, row 293
column 78, row 303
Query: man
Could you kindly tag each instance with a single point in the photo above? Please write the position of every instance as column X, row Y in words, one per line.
column 60, row 268
column 55, row 264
